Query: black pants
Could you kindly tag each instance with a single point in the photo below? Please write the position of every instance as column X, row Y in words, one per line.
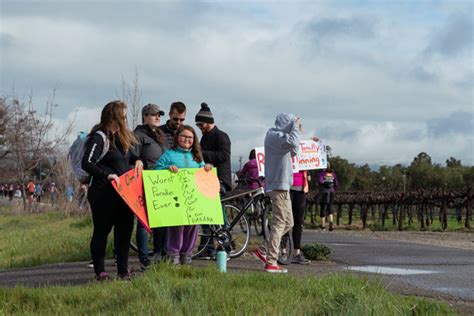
column 109, row 210
column 298, row 206
column 325, row 202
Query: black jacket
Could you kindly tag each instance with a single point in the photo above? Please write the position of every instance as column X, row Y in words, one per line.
column 169, row 133
column 215, row 147
column 148, row 148
column 114, row 162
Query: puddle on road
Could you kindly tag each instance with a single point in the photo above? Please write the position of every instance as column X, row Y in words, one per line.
column 391, row 271
column 465, row 292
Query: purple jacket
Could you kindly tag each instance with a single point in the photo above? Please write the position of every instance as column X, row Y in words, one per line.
column 250, row 172
column 327, row 181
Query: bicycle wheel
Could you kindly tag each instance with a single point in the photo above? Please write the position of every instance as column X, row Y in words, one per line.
column 239, row 233
column 203, row 240
column 133, row 243
column 258, row 218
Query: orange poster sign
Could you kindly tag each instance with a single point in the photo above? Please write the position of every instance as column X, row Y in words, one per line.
column 130, row 188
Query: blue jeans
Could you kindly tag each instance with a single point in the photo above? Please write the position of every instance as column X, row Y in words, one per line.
column 159, row 242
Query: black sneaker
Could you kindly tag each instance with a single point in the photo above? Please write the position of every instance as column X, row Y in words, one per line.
column 331, row 226
column 300, row 259
column 144, row 265
column 283, row 260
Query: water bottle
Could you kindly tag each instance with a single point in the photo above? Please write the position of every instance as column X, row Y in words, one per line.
column 221, row 259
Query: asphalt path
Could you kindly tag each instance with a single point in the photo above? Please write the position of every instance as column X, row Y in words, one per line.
column 426, row 269
column 404, row 267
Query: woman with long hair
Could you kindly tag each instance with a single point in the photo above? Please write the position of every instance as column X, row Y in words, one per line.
column 185, row 153
column 108, row 155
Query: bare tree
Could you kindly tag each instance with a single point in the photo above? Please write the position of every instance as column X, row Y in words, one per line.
column 132, row 95
column 28, row 138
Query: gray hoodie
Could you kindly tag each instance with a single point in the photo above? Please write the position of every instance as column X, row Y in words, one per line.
column 281, row 143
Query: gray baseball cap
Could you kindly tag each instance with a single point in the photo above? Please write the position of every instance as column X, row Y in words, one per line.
column 152, row 109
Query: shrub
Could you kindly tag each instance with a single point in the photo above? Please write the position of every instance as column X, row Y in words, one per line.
column 316, row 252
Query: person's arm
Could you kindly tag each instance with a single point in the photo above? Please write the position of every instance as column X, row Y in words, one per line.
column 94, row 147
column 242, row 172
column 291, row 140
column 336, row 182
column 164, row 162
column 221, row 153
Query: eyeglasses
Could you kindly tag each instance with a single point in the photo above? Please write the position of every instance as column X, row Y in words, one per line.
column 177, row 119
column 186, row 137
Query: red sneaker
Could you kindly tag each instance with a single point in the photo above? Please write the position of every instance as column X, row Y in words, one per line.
column 260, row 255
column 274, row 269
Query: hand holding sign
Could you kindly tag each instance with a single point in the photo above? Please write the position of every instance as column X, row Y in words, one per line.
column 130, row 187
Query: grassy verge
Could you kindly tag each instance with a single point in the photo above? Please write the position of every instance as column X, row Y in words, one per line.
column 35, row 239
column 189, row 291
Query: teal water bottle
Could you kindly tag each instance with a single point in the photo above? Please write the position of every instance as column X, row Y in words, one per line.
column 221, row 259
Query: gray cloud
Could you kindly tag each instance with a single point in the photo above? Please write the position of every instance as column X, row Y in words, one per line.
column 356, row 27
column 455, row 38
column 423, row 75
column 458, row 122
column 6, row 40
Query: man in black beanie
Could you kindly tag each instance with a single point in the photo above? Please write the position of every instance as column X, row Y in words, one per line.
column 215, row 145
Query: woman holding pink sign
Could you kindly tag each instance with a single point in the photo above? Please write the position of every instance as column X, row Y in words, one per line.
column 107, row 156
column 186, row 153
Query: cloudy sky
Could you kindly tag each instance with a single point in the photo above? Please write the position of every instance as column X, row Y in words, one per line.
column 380, row 81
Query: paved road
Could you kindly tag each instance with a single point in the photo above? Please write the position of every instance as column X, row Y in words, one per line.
column 448, row 272
column 438, row 272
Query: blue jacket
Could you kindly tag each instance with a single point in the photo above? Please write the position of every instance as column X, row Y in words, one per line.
column 281, row 143
column 177, row 157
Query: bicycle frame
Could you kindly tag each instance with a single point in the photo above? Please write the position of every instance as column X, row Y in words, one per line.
column 256, row 195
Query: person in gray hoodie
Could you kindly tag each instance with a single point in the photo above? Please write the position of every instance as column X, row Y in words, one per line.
column 281, row 143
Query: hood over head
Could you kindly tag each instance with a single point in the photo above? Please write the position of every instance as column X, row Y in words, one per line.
column 284, row 121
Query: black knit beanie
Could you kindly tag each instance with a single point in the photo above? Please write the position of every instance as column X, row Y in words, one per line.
column 205, row 115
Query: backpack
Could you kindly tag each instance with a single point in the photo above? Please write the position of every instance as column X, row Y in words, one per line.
column 77, row 151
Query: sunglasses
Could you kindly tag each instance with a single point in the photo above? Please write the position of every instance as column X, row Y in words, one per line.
column 177, row 119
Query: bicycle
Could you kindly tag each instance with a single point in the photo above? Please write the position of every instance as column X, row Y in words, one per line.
column 234, row 235
column 255, row 215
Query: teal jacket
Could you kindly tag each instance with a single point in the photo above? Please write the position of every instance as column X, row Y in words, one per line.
column 177, row 157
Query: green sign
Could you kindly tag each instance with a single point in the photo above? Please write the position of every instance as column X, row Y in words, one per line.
column 188, row 197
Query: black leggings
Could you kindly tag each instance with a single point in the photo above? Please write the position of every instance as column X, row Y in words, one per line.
column 298, row 205
column 109, row 210
column 325, row 203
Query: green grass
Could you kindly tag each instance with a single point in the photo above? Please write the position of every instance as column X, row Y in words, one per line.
column 167, row 290
column 35, row 239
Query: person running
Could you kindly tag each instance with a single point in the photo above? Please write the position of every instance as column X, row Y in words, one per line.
column 30, row 187
column 281, row 143
column 328, row 183
column 151, row 145
column 38, row 192
column 53, row 191
column 185, row 153
column 108, row 208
